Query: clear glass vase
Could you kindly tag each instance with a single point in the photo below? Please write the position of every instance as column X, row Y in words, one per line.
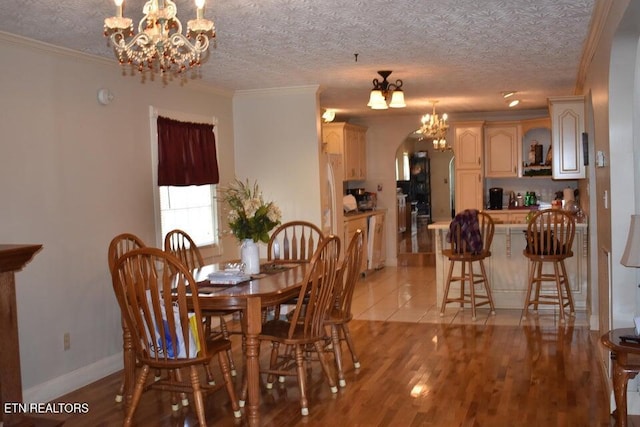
column 250, row 256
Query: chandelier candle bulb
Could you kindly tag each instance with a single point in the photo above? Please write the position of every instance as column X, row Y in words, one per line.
column 200, row 9
column 118, row 8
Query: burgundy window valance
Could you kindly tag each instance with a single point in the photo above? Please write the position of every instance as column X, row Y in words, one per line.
column 186, row 153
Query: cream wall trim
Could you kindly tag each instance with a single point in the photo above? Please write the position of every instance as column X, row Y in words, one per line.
column 73, row 380
column 42, row 46
column 36, row 45
column 596, row 26
column 252, row 93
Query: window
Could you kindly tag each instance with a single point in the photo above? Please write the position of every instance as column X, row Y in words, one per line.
column 192, row 209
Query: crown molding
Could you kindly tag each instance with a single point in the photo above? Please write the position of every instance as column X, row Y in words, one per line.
column 596, row 26
column 38, row 46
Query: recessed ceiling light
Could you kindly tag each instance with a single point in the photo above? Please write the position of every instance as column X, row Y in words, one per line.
column 508, row 93
column 514, row 103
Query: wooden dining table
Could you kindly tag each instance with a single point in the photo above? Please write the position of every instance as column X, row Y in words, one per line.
column 276, row 283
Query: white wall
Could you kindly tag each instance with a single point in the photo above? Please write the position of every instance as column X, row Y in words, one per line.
column 277, row 144
column 73, row 174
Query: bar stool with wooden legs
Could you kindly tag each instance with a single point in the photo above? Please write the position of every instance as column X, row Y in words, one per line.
column 470, row 236
column 549, row 236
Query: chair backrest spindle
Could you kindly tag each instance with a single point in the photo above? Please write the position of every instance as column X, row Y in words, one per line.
column 294, row 241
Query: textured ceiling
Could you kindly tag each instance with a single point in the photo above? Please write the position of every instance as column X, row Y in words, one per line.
column 463, row 53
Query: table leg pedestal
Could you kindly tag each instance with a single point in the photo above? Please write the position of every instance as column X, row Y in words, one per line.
column 254, row 327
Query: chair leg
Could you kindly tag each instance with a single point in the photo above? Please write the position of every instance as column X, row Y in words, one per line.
column 225, row 335
column 337, row 352
column 352, row 348
column 446, row 288
column 183, row 396
column 462, row 283
column 527, row 301
column 120, row 394
column 325, row 366
column 137, row 393
column 556, row 272
column 472, row 290
column 226, row 374
column 487, row 287
column 272, row 363
column 197, row 395
column 572, row 310
column 538, row 285
column 302, row 380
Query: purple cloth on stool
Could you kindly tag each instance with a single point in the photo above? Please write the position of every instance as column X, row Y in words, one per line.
column 470, row 237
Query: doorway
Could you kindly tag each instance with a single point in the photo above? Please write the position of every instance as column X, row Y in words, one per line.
column 424, row 186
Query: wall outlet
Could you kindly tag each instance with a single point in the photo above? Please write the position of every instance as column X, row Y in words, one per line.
column 67, row 341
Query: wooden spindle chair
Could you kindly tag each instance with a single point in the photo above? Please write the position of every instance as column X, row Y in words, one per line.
column 293, row 242
column 340, row 314
column 180, row 244
column 120, row 245
column 304, row 332
column 153, row 289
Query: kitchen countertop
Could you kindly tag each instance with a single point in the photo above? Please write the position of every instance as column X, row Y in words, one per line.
column 361, row 214
column 445, row 225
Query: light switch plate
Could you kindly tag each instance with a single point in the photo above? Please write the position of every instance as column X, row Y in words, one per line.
column 636, row 321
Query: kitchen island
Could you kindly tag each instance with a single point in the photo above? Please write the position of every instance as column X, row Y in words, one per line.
column 508, row 269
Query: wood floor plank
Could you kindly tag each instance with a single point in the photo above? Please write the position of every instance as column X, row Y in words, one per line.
column 539, row 373
column 415, row 375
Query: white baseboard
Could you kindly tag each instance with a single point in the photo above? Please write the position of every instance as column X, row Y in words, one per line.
column 633, row 403
column 71, row 381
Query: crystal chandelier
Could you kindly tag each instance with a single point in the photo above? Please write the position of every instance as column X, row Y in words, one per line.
column 160, row 44
column 435, row 128
column 382, row 89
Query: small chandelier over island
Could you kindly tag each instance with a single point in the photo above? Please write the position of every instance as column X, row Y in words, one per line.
column 435, row 128
column 159, row 44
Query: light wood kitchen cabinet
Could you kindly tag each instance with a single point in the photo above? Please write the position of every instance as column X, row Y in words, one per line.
column 469, row 179
column 567, row 126
column 467, row 145
column 350, row 227
column 502, row 148
column 350, row 141
column 376, row 232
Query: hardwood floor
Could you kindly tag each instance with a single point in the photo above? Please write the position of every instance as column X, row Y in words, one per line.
column 423, row 371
